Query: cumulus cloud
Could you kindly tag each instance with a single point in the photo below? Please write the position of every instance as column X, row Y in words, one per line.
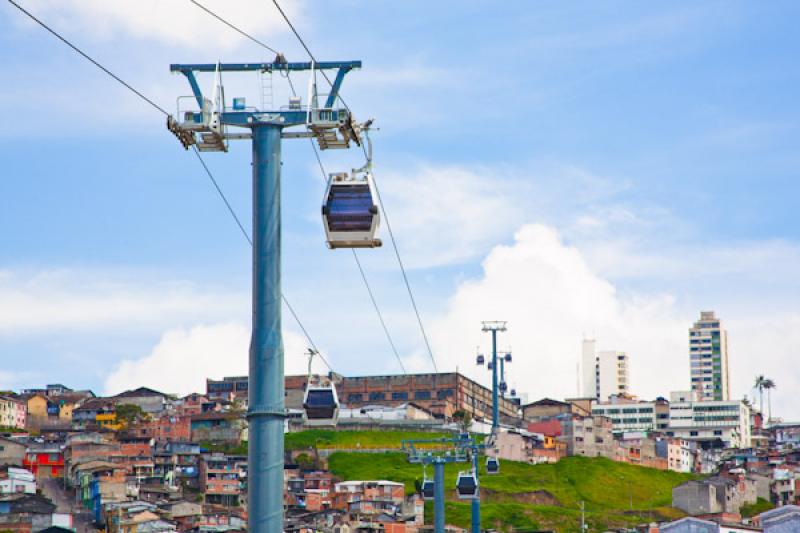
column 175, row 22
column 449, row 214
column 67, row 300
column 550, row 297
column 185, row 357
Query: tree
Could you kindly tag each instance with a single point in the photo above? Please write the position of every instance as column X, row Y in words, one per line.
column 463, row 418
column 130, row 414
column 759, row 386
column 768, row 385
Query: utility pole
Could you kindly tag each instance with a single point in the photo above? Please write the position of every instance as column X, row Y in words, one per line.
column 208, row 130
column 583, row 516
column 494, row 327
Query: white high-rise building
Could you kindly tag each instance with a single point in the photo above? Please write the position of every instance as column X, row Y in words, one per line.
column 708, row 354
column 604, row 373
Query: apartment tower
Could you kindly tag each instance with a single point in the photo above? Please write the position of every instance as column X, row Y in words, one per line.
column 604, row 373
column 708, row 353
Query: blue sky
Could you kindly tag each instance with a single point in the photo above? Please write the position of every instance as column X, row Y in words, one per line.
column 600, row 169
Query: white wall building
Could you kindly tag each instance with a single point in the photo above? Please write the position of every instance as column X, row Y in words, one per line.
column 17, row 480
column 603, row 373
column 708, row 357
column 729, row 421
column 629, row 416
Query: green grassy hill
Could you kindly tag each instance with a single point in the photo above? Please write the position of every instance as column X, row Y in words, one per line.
column 525, row 496
column 325, row 438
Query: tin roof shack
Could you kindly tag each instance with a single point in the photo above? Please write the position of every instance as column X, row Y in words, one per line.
column 26, row 512
column 134, row 517
column 148, row 400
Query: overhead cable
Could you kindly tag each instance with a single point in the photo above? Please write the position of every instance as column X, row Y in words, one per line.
column 364, row 276
column 197, row 153
column 380, row 201
column 87, row 57
column 235, row 28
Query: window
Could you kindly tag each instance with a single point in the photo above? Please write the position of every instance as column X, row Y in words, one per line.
column 717, row 432
column 354, row 397
column 445, row 393
column 422, row 395
column 376, row 396
column 692, row 433
column 399, row 396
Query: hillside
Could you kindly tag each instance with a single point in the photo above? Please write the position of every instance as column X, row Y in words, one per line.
column 525, row 496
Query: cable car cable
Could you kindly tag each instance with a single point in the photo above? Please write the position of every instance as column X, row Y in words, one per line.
column 249, row 36
column 364, row 276
column 403, row 271
column 202, row 161
column 249, row 240
column 380, row 201
column 87, row 57
column 204, row 8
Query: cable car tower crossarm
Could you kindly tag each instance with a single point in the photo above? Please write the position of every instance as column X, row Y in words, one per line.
column 208, row 129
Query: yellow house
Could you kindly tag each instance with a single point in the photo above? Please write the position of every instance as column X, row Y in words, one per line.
column 108, row 420
column 37, row 406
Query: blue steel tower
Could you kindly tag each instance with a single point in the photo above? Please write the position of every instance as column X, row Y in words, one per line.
column 207, row 127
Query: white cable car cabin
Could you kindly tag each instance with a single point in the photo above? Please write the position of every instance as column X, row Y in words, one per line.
column 492, row 465
column 321, row 405
column 349, row 214
column 467, row 485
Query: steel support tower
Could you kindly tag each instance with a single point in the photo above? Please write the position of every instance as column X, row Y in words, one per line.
column 207, row 128
column 493, row 327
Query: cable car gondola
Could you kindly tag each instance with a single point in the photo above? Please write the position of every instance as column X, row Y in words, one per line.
column 321, row 405
column 350, row 215
column 503, row 386
column 467, row 485
column 427, row 485
column 508, row 357
column 492, row 465
column 480, row 359
column 320, row 401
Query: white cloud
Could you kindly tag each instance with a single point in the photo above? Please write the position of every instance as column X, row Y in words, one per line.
column 551, row 295
column 174, row 22
column 67, row 300
column 185, row 357
column 449, row 214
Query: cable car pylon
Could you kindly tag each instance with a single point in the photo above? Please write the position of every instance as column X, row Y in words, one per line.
column 208, row 125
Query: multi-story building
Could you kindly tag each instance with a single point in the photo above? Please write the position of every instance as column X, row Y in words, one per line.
column 725, row 420
column 588, row 435
column 442, row 394
column 708, row 354
column 13, row 412
column 44, row 460
column 604, row 372
column 680, row 455
column 631, row 415
column 220, row 479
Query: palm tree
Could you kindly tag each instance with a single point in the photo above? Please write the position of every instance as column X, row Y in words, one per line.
column 759, row 386
column 769, row 385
